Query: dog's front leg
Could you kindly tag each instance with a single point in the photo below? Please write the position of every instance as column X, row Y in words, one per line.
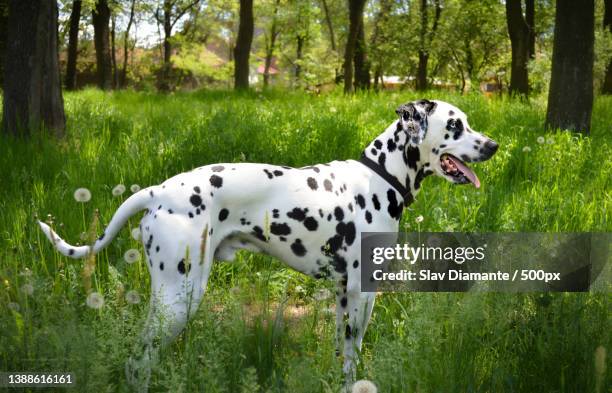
column 360, row 307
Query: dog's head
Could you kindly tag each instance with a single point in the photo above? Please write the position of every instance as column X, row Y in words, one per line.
column 444, row 139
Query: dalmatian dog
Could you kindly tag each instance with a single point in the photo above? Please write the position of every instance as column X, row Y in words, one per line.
column 311, row 218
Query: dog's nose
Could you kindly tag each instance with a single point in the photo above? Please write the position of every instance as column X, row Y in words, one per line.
column 491, row 146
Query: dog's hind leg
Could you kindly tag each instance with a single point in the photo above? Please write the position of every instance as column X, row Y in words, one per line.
column 175, row 296
column 341, row 304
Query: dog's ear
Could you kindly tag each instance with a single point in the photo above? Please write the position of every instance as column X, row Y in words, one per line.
column 413, row 121
column 405, row 111
column 429, row 106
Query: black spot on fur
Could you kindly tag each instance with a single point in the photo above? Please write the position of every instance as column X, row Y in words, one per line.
column 196, row 189
column 311, row 224
column 278, row 173
column 451, row 113
column 181, row 267
column 170, row 211
column 280, row 229
column 391, row 145
column 218, row 168
column 343, row 302
column 101, row 236
column 328, row 185
column 378, row 144
column 312, row 183
column 368, row 216
column 374, row 151
column 360, row 200
column 356, row 264
column 269, row 174
column 161, row 266
column 381, row 159
column 223, row 214
column 339, row 213
column 258, row 233
column 195, row 200
column 275, row 213
column 348, row 231
column 297, row 214
column 376, row 202
column 395, row 208
column 298, row 248
column 216, row 181
column 350, row 206
column 413, row 155
column 71, row 251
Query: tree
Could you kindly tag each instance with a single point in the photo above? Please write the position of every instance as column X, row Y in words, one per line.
column 32, row 88
column 522, row 38
column 570, row 97
column 173, row 11
column 270, row 43
column 355, row 19
column 126, row 38
column 607, row 84
column 360, row 59
column 3, row 35
column 100, row 17
column 73, row 42
column 242, row 49
column 425, row 40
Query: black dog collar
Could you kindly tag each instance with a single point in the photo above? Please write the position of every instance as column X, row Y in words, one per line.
column 404, row 193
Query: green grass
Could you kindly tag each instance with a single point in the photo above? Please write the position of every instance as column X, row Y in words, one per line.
column 259, row 328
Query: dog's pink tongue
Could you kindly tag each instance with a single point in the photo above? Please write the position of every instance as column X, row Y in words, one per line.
column 466, row 171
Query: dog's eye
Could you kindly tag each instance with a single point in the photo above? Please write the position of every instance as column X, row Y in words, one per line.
column 417, row 116
column 406, row 116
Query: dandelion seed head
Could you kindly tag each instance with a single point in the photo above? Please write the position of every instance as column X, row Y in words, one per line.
column 134, row 188
column 132, row 255
column 550, row 141
column 540, row 140
column 132, row 297
column 364, row 386
column 27, row 289
column 135, row 233
column 526, row 149
column 82, row 195
column 83, row 236
column 322, row 294
column 95, row 300
column 419, row 219
column 118, row 190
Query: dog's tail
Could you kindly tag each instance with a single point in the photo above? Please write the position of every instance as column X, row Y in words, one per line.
column 131, row 206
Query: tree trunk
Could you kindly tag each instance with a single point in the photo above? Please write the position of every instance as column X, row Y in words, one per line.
column 126, row 38
column 164, row 84
column 242, row 49
column 32, row 87
column 362, row 65
column 100, row 18
column 298, row 56
column 355, row 15
column 607, row 84
column 330, row 26
column 73, row 43
column 520, row 38
column 270, row 46
column 570, row 97
column 113, row 53
column 426, row 37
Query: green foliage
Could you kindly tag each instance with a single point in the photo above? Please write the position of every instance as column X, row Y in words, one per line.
column 259, row 327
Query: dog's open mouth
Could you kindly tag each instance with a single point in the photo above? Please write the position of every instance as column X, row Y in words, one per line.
column 458, row 171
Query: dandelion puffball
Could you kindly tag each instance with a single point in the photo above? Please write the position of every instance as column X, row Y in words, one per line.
column 541, row 140
column 132, row 255
column 132, row 297
column 118, row 190
column 82, row 195
column 419, row 219
column 28, row 289
column 136, row 233
column 95, row 300
column 526, row 149
column 134, row 188
column 364, row 386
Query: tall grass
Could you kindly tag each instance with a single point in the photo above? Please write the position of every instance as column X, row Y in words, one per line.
column 260, row 327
